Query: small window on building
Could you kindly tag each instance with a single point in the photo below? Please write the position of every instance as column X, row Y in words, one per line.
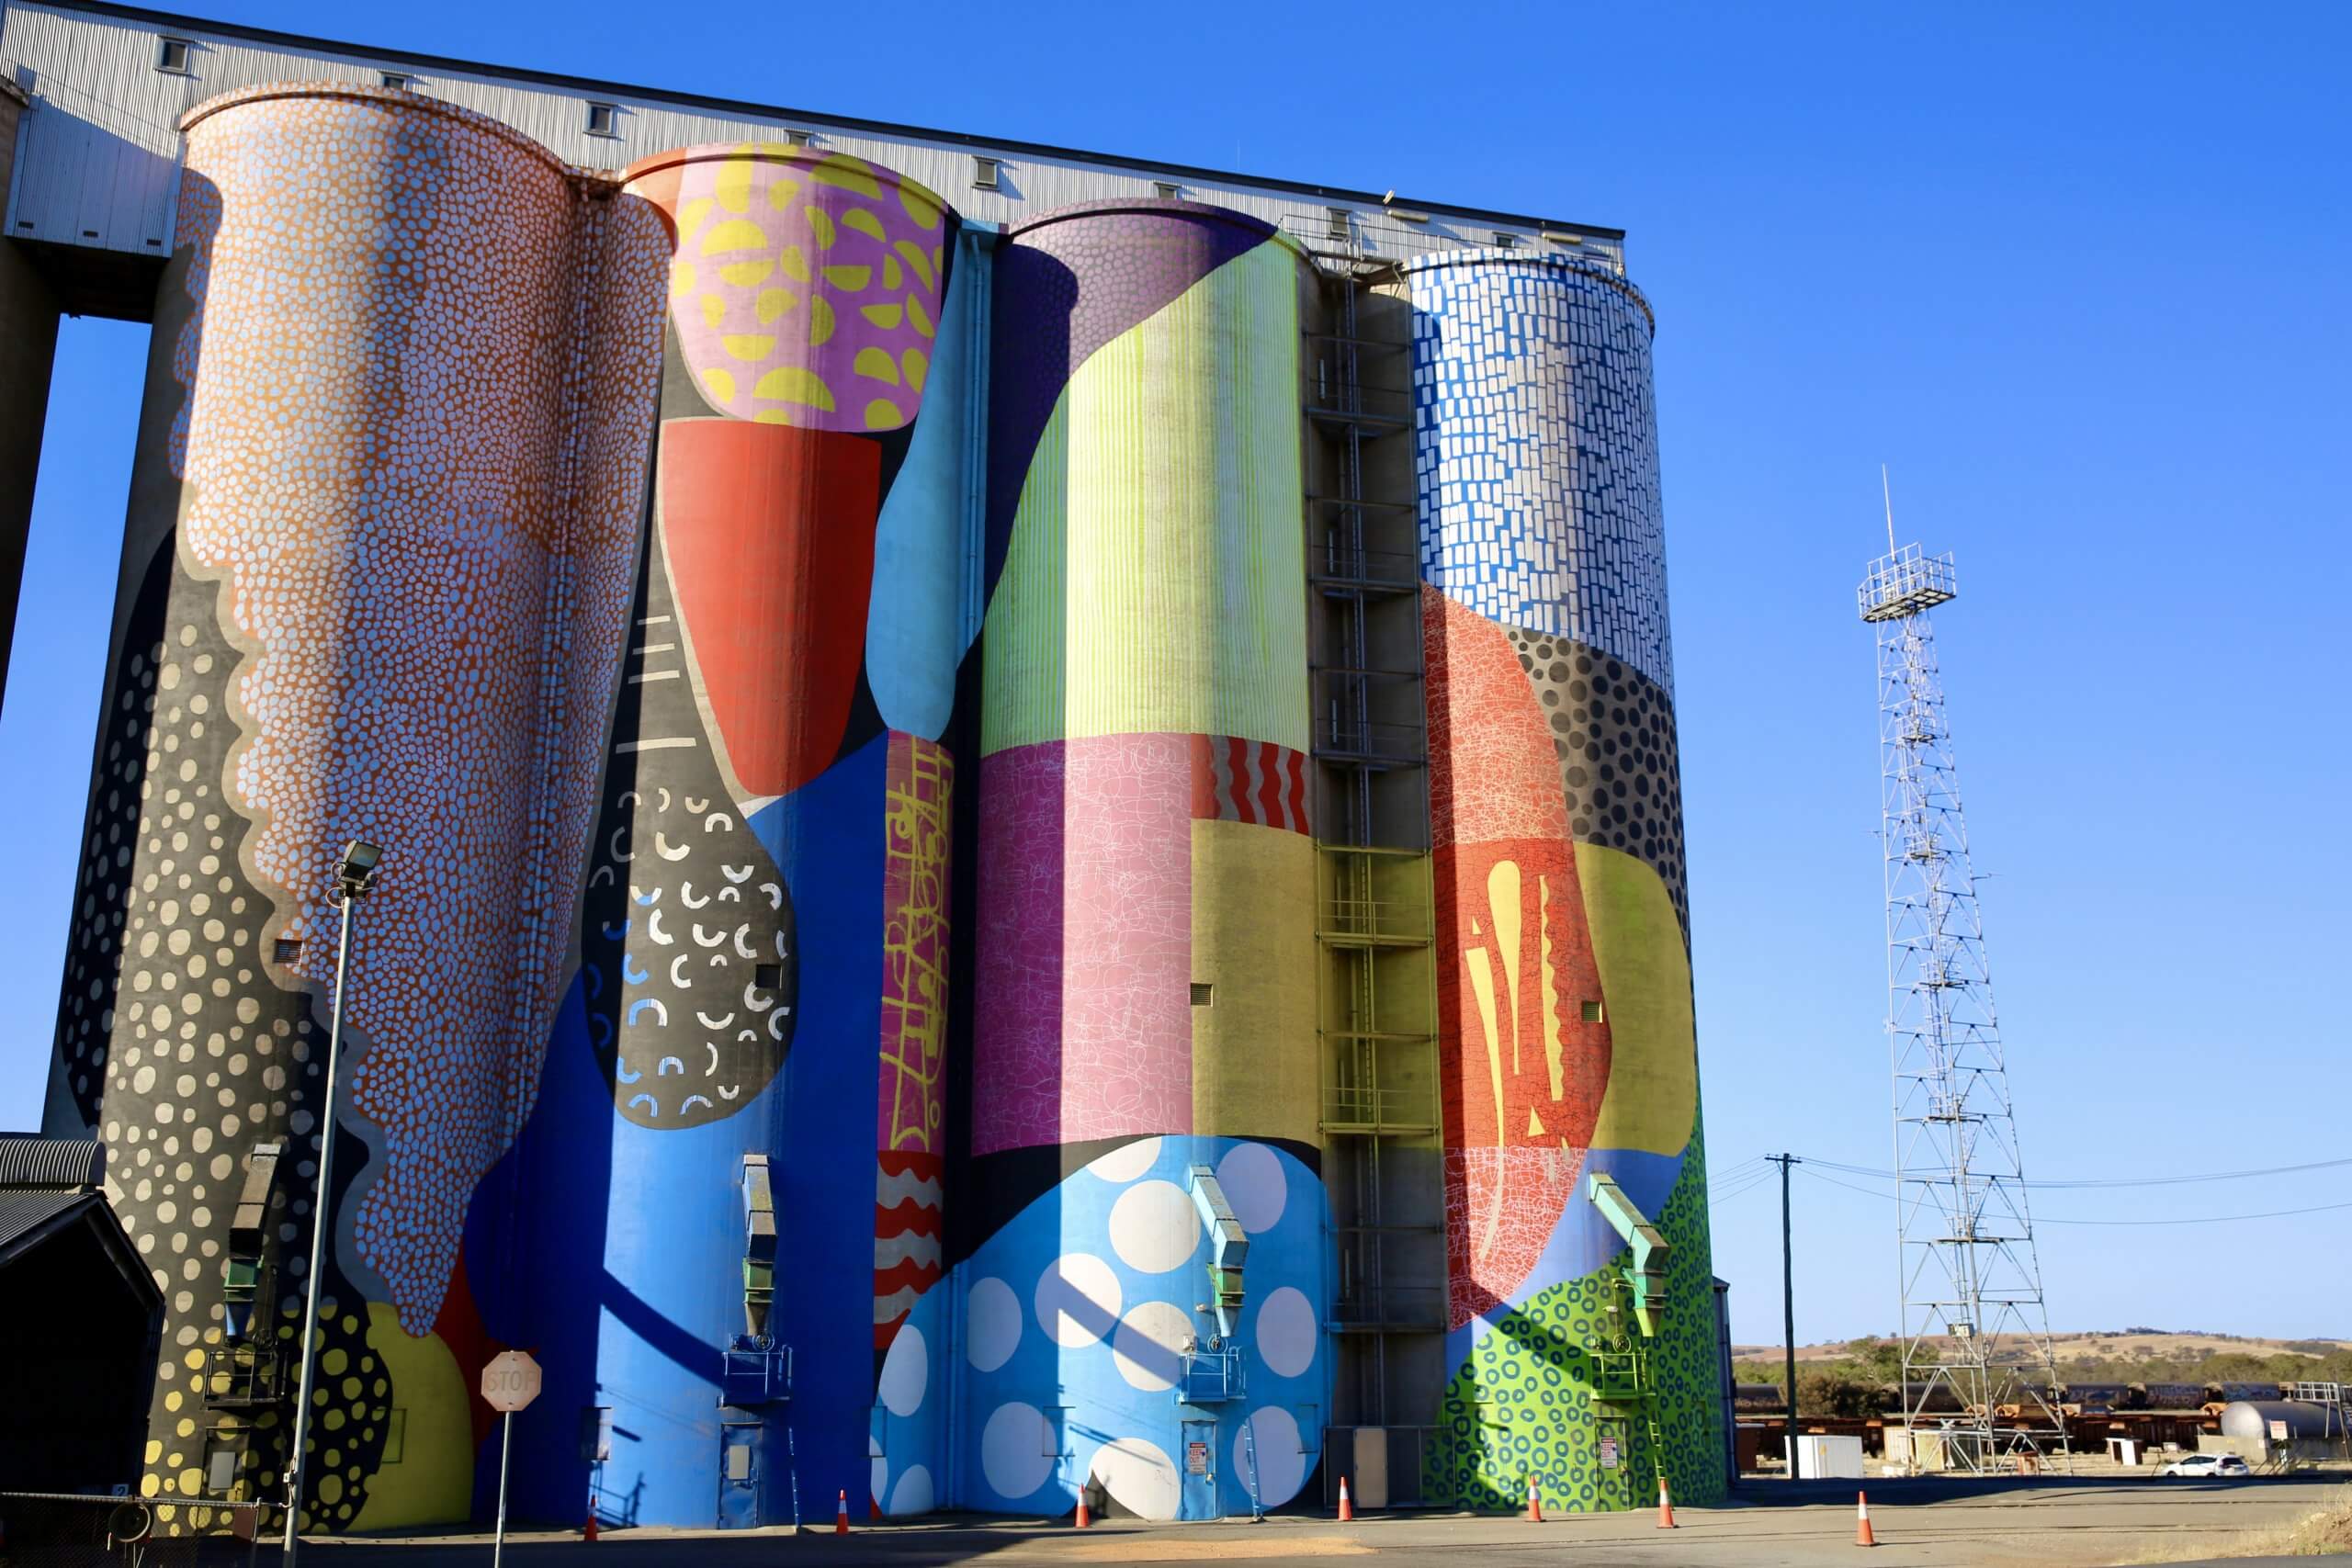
column 1204, row 995
column 984, row 174
column 604, row 119
column 1504, row 242
column 796, row 138
column 1166, row 190
column 1592, row 1012
column 395, row 1437
column 767, row 977
column 1338, row 228
column 399, row 81
column 289, row 951
column 220, row 1471
column 595, row 1433
column 175, row 55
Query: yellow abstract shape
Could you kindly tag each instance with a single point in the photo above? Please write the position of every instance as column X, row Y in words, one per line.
column 796, row 266
column 1150, row 585
column 849, row 173
column 690, row 218
column 820, row 319
column 719, row 382
column 795, row 384
column 884, row 316
column 877, row 362
column 1548, row 994
column 892, row 274
column 917, row 260
column 714, row 311
column 751, row 347
column 1482, row 986
column 1503, row 898
column 917, row 367
column 781, row 193
column 883, row 414
column 865, row 223
column 774, row 302
column 682, row 277
column 1255, row 1070
column 773, row 416
column 434, row 1481
column 920, row 316
column 919, row 206
column 747, row 274
column 1534, row 1124
column 732, row 186
column 849, row 280
column 821, row 223
column 1653, row 1095
column 734, row 234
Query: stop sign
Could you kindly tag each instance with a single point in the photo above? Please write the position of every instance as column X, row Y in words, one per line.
column 511, row 1380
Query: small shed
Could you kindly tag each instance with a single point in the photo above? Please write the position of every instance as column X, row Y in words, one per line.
column 80, row 1315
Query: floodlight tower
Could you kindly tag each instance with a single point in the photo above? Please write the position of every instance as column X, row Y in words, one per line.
column 1975, row 1331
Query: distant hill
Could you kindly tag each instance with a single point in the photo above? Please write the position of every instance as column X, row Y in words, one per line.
column 2121, row 1345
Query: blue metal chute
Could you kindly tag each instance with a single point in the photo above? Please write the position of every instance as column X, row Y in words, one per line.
column 1644, row 1276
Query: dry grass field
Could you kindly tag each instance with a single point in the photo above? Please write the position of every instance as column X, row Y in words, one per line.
column 2124, row 1346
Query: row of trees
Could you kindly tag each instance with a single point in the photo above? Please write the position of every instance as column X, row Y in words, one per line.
column 1848, row 1383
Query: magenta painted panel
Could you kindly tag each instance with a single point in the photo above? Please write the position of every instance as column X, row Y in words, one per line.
column 1084, row 1021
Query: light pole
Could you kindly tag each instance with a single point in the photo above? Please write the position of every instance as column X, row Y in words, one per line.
column 352, row 879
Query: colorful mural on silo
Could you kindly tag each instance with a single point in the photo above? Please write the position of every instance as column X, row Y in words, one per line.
column 1564, row 987
column 764, row 931
column 1143, row 1107
column 372, row 474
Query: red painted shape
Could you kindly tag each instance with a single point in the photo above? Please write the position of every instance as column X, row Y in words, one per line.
column 769, row 533
column 460, row 1327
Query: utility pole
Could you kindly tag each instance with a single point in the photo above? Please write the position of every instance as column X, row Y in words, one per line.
column 1787, row 1305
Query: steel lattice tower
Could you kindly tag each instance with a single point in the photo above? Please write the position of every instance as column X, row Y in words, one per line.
column 1975, row 1330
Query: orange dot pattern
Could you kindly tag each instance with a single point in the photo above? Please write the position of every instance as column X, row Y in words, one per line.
column 420, row 375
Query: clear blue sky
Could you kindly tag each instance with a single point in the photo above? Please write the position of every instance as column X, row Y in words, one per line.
column 2079, row 273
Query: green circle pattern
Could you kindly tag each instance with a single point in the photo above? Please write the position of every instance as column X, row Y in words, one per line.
column 1523, row 1404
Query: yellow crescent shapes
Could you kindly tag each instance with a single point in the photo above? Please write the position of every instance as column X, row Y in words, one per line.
column 917, row 367
column 918, row 205
column 883, row 316
column 921, row 318
column 917, row 260
column 820, row 319
column 774, row 302
column 881, row 414
column 820, row 223
column 780, row 194
column 734, row 234
column 796, row 266
column 877, row 362
column 714, row 311
column 865, row 223
column 750, row 346
column 747, row 275
column 720, row 384
column 792, row 384
column 733, row 185
column 849, row 174
column 690, row 217
column 681, row 278
column 891, row 276
column 849, row 280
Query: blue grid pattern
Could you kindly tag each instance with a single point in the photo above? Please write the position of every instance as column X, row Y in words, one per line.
column 1535, row 451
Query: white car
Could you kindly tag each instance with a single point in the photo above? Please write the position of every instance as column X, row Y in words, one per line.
column 2207, row 1465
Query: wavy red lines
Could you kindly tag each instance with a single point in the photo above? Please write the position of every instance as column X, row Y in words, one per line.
column 1235, row 780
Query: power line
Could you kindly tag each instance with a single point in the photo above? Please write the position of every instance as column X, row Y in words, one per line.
column 2116, row 1181
column 2056, row 1220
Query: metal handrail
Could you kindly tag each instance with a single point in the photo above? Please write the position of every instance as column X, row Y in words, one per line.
column 1354, row 1106
column 1376, row 918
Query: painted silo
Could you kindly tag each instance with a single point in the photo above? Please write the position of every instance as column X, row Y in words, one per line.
column 1566, row 1029
column 747, row 1134
column 1144, row 1064
column 375, row 584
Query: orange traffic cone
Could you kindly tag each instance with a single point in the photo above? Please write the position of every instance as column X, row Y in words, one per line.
column 841, row 1514
column 1347, row 1507
column 1085, row 1515
column 1863, row 1536
column 1665, row 1507
column 588, row 1530
column 873, row 1506
column 1534, row 1504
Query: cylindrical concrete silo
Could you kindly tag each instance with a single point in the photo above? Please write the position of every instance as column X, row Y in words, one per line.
column 1143, row 1075
column 1565, row 1028
column 749, row 1146
column 375, row 583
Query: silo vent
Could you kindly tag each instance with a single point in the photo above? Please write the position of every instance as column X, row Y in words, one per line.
column 984, row 173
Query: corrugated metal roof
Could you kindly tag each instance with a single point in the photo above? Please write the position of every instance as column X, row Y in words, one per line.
column 23, row 1215
column 28, row 1159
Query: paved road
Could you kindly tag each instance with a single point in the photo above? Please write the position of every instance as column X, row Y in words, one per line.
column 2001, row 1524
